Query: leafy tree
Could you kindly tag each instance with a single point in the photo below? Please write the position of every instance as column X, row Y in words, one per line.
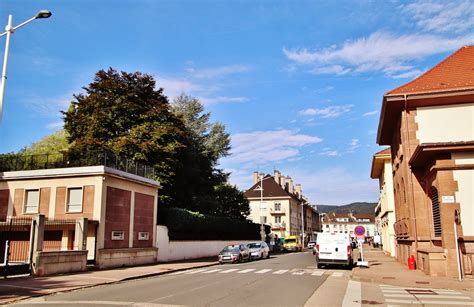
column 124, row 113
column 231, row 202
column 50, row 144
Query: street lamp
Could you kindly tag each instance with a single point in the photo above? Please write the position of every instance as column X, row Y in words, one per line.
column 262, row 228
column 9, row 30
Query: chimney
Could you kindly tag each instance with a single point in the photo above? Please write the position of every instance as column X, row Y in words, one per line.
column 282, row 182
column 289, row 184
column 298, row 190
column 255, row 177
column 277, row 176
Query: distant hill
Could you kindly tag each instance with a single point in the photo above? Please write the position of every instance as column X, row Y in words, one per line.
column 354, row 208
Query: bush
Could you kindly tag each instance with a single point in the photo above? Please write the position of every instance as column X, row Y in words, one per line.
column 187, row 225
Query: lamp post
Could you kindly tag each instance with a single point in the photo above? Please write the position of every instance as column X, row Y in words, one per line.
column 262, row 229
column 9, row 30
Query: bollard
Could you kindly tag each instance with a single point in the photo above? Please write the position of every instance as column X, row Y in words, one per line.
column 411, row 263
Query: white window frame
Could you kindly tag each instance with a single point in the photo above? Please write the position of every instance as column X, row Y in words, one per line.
column 77, row 207
column 26, row 205
column 117, row 235
column 278, row 219
column 143, row 236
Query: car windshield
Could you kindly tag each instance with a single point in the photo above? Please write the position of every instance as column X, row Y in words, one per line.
column 290, row 240
column 254, row 245
column 230, row 249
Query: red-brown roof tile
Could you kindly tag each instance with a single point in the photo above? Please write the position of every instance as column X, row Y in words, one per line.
column 455, row 72
column 385, row 151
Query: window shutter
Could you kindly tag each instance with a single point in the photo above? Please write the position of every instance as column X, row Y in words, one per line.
column 436, row 214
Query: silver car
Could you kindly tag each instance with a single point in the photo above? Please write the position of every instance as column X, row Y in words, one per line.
column 234, row 253
column 259, row 250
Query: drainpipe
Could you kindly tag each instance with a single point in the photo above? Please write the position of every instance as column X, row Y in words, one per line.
column 410, row 177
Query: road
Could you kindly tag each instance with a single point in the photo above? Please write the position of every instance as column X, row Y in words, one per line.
column 282, row 280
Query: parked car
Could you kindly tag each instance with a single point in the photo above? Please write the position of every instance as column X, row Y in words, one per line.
column 259, row 250
column 311, row 244
column 334, row 248
column 234, row 253
column 292, row 244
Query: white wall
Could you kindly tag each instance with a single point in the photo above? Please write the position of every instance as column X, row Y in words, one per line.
column 445, row 123
column 181, row 250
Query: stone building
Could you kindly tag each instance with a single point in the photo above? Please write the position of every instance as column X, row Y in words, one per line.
column 429, row 125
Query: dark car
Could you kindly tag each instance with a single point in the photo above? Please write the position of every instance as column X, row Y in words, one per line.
column 234, row 253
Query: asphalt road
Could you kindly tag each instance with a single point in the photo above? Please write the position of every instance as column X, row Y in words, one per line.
column 289, row 280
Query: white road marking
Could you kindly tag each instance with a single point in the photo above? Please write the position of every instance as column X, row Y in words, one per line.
column 228, row 271
column 318, row 273
column 263, row 271
column 447, row 303
column 298, row 273
column 246, row 271
column 403, row 302
column 196, row 271
column 337, row 274
column 399, row 295
column 212, row 271
column 425, row 296
column 280, row 272
column 353, row 295
column 161, row 298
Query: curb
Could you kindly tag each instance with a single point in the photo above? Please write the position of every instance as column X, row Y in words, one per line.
column 14, row 300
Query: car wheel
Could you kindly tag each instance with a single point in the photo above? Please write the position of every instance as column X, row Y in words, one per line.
column 268, row 255
column 240, row 258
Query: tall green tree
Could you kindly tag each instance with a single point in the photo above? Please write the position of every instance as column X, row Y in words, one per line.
column 50, row 144
column 124, row 113
column 231, row 202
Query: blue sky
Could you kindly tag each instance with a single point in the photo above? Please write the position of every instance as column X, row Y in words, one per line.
column 298, row 84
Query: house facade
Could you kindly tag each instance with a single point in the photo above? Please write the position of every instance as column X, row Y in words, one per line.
column 120, row 209
column 346, row 222
column 429, row 125
column 385, row 209
column 276, row 201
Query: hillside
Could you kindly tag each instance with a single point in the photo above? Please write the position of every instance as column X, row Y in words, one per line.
column 360, row 207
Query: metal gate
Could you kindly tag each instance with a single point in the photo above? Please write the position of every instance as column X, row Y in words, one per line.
column 15, row 246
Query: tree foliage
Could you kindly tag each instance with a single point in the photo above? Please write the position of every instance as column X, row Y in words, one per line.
column 124, row 113
column 50, row 144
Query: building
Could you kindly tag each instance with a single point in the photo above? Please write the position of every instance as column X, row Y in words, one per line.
column 119, row 207
column 276, row 201
column 385, row 210
column 429, row 125
column 346, row 222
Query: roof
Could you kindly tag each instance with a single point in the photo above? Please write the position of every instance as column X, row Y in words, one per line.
column 378, row 161
column 454, row 72
column 270, row 189
column 449, row 82
column 427, row 152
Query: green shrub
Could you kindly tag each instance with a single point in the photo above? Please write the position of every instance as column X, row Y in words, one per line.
column 187, row 225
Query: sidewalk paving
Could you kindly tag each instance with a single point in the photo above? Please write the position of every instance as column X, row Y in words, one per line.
column 387, row 270
column 18, row 288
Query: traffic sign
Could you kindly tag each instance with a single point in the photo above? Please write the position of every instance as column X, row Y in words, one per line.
column 359, row 230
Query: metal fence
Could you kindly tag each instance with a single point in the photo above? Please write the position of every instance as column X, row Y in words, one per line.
column 20, row 162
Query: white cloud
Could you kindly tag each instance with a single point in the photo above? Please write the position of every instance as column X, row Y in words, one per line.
column 174, row 87
column 370, row 113
column 260, row 147
column 353, row 145
column 380, row 51
column 330, row 153
column 222, row 99
column 216, row 72
column 48, row 106
column 329, row 112
column 442, row 17
column 409, row 74
column 55, row 125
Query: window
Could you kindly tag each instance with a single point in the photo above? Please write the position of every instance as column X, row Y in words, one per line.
column 263, row 219
column 277, row 219
column 277, row 206
column 31, row 201
column 143, row 236
column 436, row 214
column 117, row 235
column 74, row 200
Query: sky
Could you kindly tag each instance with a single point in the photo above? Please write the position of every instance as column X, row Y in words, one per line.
column 298, row 84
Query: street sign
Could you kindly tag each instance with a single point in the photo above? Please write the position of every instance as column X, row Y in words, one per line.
column 359, row 231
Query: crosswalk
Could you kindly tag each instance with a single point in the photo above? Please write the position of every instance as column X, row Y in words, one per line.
column 423, row 297
column 294, row 272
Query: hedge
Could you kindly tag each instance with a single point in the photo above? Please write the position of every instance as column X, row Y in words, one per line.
column 187, row 225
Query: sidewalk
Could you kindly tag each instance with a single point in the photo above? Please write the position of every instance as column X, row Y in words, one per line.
column 14, row 289
column 386, row 270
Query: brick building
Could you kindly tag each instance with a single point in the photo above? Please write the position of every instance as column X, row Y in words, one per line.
column 429, row 125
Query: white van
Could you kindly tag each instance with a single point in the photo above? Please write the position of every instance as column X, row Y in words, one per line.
column 334, row 248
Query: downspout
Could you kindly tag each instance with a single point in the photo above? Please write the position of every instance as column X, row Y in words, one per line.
column 410, row 177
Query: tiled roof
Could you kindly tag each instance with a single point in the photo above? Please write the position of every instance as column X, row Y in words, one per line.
column 270, row 189
column 455, row 72
column 385, row 151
